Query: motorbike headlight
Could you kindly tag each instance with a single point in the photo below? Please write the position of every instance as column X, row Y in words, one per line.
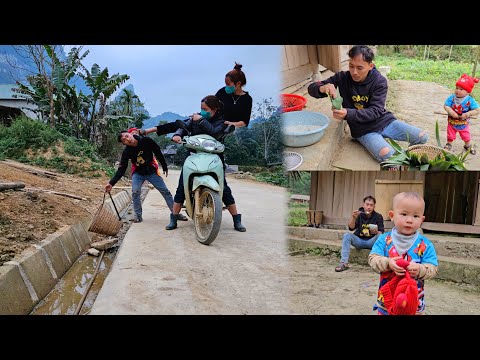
column 193, row 142
column 220, row 147
column 209, row 144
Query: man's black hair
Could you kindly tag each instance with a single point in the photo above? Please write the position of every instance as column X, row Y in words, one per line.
column 119, row 137
column 369, row 197
column 367, row 53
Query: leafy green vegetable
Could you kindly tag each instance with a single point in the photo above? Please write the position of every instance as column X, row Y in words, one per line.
column 445, row 161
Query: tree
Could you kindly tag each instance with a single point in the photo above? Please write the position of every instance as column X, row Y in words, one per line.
column 102, row 86
column 269, row 131
column 47, row 66
column 244, row 152
column 130, row 107
column 67, row 102
column 126, row 101
column 50, row 89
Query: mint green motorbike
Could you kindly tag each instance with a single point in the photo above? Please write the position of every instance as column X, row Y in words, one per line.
column 203, row 184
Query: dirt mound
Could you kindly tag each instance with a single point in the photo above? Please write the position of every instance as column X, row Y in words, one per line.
column 29, row 215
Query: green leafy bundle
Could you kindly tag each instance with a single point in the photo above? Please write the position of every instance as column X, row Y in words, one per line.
column 337, row 102
column 445, row 161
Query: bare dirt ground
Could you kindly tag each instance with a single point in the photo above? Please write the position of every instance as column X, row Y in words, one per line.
column 417, row 103
column 27, row 217
column 317, row 289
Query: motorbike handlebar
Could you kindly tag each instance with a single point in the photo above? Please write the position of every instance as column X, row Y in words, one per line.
column 229, row 129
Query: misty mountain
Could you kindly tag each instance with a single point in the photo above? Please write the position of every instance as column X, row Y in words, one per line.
column 15, row 65
column 166, row 116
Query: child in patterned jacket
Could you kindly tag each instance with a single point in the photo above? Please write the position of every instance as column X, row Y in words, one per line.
column 461, row 106
column 404, row 242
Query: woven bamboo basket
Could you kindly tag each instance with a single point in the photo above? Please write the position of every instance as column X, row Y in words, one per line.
column 105, row 222
column 429, row 150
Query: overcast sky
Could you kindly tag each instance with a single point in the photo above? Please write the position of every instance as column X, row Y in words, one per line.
column 176, row 77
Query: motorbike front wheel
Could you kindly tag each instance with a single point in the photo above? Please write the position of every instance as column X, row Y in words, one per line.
column 207, row 224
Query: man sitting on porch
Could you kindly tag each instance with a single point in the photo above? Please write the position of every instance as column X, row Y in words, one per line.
column 368, row 226
column 364, row 92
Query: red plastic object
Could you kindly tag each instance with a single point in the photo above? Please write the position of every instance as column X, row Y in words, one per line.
column 292, row 102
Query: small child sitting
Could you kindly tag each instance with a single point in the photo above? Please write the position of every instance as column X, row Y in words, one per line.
column 460, row 106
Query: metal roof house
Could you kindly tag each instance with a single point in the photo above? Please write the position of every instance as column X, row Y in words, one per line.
column 11, row 106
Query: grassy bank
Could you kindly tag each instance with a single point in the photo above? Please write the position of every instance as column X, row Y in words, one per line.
column 297, row 214
column 442, row 72
column 32, row 142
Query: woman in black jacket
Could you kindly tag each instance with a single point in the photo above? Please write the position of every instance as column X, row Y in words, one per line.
column 210, row 121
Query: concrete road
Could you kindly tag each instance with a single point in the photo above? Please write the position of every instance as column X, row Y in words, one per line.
column 169, row 272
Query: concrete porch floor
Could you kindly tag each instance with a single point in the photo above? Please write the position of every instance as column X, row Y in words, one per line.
column 336, row 150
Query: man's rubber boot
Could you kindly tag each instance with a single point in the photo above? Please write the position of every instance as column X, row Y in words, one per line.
column 237, row 223
column 173, row 222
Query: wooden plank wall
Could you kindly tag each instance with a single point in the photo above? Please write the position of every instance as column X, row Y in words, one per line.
column 334, row 57
column 298, row 65
column 329, row 56
column 344, row 56
column 477, row 209
column 338, row 193
column 452, row 197
column 385, row 190
column 302, row 64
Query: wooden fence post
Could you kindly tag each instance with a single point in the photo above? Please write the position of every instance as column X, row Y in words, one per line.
column 310, row 218
column 318, row 218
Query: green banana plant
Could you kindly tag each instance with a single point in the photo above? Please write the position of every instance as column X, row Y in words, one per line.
column 102, row 86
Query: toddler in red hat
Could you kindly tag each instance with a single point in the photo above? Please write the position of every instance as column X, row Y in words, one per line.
column 461, row 106
column 404, row 258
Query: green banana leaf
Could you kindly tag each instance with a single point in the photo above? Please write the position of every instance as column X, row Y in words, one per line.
column 337, row 102
column 396, row 146
column 437, row 134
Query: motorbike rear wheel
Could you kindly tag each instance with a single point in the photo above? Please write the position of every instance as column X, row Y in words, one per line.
column 207, row 225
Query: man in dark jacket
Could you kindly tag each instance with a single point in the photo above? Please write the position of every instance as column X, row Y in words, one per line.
column 364, row 92
column 368, row 226
column 140, row 150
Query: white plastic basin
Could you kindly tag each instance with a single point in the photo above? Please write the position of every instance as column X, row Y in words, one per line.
column 302, row 128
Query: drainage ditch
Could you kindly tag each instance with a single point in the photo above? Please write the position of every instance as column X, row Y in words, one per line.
column 69, row 296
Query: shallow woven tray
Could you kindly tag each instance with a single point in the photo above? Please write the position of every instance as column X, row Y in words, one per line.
column 292, row 160
column 429, row 150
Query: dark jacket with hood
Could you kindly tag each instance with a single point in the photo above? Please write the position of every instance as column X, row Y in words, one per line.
column 213, row 127
column 364, row 101
column 142, row 156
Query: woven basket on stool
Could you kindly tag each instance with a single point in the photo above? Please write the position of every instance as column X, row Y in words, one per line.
column 429, row 150
column 105, row 222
